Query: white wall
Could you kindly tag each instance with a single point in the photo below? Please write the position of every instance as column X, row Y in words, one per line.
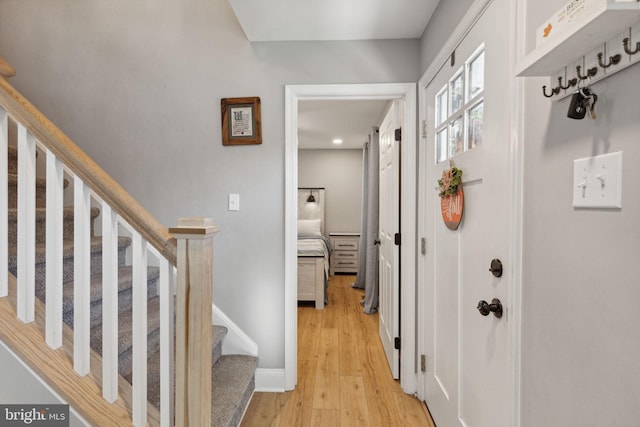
column 340, row 173
column 138, row 86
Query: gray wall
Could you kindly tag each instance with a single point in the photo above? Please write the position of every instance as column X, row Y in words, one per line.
column 444, row 20
column 580, row 288
column 138, row 86
column 20, row 386
column 340, row 173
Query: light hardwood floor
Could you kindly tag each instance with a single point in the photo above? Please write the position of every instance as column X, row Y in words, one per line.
column 343, row 376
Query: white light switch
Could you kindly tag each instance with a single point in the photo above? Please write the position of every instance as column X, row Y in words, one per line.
column 597, row 181
column 234, row 202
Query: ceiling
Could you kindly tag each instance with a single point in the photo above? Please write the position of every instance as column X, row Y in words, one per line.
column 320, row 122
column 280, row 20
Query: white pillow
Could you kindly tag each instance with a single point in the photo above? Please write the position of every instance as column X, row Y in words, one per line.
column 309, row 227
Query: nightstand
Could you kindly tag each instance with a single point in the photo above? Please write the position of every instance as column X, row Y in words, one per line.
column 344, row 258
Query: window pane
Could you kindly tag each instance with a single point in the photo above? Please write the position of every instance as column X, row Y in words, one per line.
column 441, row 146
column 455, row 138
column 441, row 106
column 475, row 120
column 476, row 75
column 456, row 93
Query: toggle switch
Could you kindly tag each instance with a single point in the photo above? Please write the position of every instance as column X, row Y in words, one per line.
column 234, row 202
column 598, row 181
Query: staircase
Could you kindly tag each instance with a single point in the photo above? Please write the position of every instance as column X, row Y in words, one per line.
column 233, row 375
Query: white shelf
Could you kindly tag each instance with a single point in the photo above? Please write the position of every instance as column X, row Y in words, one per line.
column 580, row 37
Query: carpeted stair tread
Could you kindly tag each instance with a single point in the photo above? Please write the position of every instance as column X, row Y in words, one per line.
column 232, row 384
column 12, row 159
column 125, row 280
column 67, row 248
column 125, row 328
column 41, row 216
column 219, row 332
column 153, row 374
column 41, row 191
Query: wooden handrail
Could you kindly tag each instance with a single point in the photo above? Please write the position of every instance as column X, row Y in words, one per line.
column 6, row 70
column 21, row 110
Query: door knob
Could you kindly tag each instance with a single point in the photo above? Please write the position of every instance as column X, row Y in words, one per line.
column 485, row 308
column 496, row 267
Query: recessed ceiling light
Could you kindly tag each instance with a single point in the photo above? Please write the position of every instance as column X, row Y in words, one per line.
column 337, row 141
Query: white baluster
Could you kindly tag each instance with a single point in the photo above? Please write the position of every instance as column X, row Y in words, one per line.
column 4, row 202
column 109, row 303
column 166, row 343
column 55, row 216
column 139, row 356
column 26, row 224
column 81, row 277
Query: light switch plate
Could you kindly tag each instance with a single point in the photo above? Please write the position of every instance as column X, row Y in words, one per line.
column 234, row 202
column 597, row 181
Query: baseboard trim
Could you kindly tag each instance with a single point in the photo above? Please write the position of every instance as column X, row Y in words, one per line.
column 270, row 380
column 236, row 341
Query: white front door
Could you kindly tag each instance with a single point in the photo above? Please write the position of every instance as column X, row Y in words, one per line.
column 467, row 379
column 389, row 284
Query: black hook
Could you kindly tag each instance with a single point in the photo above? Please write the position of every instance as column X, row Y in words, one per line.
column 612, row 60
column 570, row 83
column 590, row 72
column 554, row 91
column 625, row 42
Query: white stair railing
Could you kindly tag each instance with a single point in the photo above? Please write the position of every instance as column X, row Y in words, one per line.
column 92, row 187
column 54, row 242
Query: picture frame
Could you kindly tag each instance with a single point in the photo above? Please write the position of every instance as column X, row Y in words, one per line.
column 241, row 121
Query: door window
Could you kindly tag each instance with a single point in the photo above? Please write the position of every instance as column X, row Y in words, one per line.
column 459, row 108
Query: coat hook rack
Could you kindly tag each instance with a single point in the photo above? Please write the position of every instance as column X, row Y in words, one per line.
column 570, row 83
column 591, row 72
column 625, row 43
column 554, row 91
column 568, row 79
column 613, row 60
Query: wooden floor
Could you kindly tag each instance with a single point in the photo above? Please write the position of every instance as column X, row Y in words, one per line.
column 343, row 376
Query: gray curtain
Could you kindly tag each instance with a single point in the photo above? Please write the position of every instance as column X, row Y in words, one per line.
column 367, row 277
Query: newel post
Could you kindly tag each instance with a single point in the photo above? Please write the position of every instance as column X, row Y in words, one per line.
column 193, row 320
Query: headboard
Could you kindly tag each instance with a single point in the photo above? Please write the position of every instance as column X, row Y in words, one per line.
column 311, row 210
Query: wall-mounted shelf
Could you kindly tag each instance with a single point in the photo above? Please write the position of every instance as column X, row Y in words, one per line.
column 579, row 37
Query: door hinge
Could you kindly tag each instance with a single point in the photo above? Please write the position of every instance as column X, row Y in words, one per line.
column 396, row 239
column 424, row 128
column 423, row 363
column 423, row 245
column 396, row 343
column 398, row 134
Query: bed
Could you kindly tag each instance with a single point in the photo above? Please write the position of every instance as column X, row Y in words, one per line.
column 313, row 248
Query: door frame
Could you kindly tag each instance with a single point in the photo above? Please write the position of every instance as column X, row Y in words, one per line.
column 515, row 86
column 383, row 91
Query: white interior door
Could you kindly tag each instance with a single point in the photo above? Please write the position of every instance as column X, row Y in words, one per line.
column 389, row 267
column 467, row 375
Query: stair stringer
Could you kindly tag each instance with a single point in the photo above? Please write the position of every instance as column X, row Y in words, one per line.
column 55, row 367
column 236, row 341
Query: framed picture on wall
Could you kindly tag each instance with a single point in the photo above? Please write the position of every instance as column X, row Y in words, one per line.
column 241, row 123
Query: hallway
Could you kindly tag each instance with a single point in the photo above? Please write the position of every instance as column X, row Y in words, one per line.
column 343, row 377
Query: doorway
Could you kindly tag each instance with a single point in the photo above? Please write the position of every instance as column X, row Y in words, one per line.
column 406, row 94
